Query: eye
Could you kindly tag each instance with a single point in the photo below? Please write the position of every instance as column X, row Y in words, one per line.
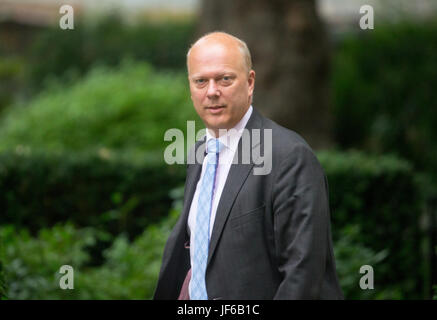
column 227, row 80
column 200, row 82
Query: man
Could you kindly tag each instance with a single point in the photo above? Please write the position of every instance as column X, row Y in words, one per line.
column 243, row 235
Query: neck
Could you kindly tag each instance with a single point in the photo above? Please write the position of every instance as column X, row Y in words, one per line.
column 216, row 132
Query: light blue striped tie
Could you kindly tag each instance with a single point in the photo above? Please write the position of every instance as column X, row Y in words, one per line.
column 201, row 234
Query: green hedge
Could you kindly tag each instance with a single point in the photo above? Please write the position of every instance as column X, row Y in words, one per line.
column 375, row 209
column 384, row 92
column 384, row 100
column 32, row 263
column 55, row 55
column 107, row 41
column 3, row 290
column 129, row 271
column 13, row 81
column 92, row 151
column 129, row 107
column 380, row 195
column 118, row 193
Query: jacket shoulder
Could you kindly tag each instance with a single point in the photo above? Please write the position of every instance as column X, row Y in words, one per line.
column 287, row 143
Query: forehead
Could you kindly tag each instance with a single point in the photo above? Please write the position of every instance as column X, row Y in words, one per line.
column 215, row 57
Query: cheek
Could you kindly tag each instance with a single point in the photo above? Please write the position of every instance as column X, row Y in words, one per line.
column 197, row 96
column 237, row 99
column 196, row 99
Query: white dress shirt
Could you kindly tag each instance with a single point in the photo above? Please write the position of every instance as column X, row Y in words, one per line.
column 230, row 141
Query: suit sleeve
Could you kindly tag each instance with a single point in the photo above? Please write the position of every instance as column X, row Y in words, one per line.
column 301, row 222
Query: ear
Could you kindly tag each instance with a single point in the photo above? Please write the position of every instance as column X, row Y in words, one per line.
column 251, row 81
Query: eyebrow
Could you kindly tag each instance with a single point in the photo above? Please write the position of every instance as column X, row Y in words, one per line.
column 231, row 73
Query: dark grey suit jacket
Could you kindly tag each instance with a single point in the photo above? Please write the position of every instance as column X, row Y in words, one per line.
column 271, row 237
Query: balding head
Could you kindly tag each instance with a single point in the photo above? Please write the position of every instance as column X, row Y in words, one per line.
column 221, row 79
column 229, row 41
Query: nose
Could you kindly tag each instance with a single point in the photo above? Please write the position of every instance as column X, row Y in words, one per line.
column 213, row 89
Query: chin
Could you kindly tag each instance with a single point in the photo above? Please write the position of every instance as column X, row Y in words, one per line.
column 217, row 123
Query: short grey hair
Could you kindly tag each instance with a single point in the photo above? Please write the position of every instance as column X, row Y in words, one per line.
column 240, row 43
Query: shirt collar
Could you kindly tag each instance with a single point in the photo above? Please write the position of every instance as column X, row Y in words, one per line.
column 232, row 136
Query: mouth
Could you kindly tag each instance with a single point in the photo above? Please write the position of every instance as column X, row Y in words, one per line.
column 215, row 109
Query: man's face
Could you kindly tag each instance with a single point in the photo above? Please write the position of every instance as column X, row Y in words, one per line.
column 220, row 84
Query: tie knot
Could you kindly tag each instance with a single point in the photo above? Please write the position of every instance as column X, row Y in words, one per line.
column 214, row 146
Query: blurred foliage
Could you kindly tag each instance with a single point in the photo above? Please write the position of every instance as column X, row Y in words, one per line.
column 88, row 152
column 385, row 102
column 13, row 81
column 32, row 264
column 366, row 231
column 129, row 107
column 91, row 151
column 107, row 42
column 119, row 192
column 130, row 269
column 2, row 280
column 370, row 191
column 57, row 56
column 384, row 93
column 350, row 256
